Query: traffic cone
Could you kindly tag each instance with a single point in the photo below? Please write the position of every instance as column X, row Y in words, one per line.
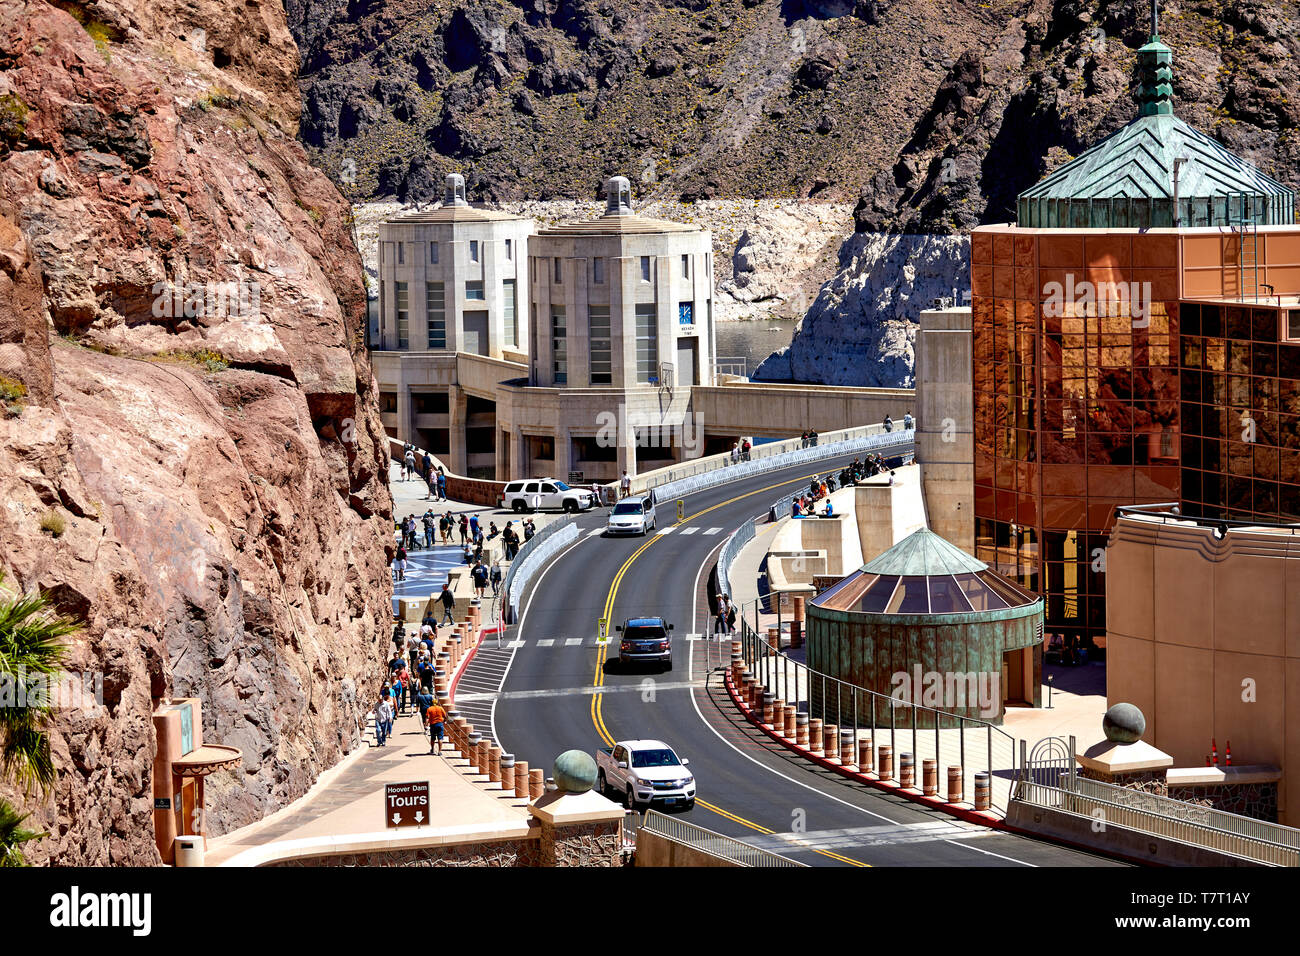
column 1227, row 753
column 1214, row 750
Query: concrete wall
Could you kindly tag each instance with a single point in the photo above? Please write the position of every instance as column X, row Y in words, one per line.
column 784, row 411
column 653, row 849
column 1132, row 845
column 945, row 440
column 1203, row 635
column 885, row 513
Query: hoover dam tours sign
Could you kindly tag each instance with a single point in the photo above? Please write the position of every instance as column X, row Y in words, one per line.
column 406, row 804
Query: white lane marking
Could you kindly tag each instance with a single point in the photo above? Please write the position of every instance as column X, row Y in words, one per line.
column 712, row 530
column 515, row 644
column 492, row 714
column 546, row 642
column 664, row 531
column 572, row 641
column 690, row 530
column 595, row 531
column 991, row 853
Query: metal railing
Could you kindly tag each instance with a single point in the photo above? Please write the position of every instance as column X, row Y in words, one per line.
column 532, row 554
column 724, row 472
column 731, row 548
column 714, row 844
column 971, row 743
column 731, row 365
column 1235, row 823
column 1150, row 813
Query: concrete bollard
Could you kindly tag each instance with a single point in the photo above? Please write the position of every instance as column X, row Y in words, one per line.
column 930, row 776
column 521, row 779
column 536, row 783
column 774, row 638
column 865, row 762
column 484, row 746
column 815, row 743
column 755, row 694
column 736, row 649
column 983, row 790
column 470, row 752
column 831, row 742
column 797, row 606
column 737, row 667
column 954, row 784
column 906, row 771
column 494, row 764
column 886, row 762
column 769, row 708
column 787, row 721
column 796, row 634
column 801, row 722
column 846, row 747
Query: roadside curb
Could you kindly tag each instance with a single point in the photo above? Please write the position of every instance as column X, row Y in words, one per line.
column 970, row 815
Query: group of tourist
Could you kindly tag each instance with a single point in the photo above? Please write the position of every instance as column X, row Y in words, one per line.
column 724, row 622
column 740, row 451
column 809, row 439
column 417, row 464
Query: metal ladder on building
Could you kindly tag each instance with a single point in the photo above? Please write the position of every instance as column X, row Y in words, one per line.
column 1247, row 230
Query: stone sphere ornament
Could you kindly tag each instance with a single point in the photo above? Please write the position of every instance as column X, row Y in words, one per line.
column 575, row 771
column 1124, row 724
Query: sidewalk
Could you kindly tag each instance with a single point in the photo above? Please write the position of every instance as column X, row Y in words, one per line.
column 349, row 800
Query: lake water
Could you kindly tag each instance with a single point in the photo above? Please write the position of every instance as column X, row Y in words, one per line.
column 753, row 340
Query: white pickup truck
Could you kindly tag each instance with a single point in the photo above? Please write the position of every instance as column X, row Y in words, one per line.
column 642, row 772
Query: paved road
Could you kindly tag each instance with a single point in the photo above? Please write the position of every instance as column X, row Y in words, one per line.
column 749, row 787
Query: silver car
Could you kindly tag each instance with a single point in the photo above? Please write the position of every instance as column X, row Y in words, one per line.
column 632, row 516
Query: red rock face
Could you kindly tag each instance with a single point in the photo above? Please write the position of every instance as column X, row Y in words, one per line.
column 182, row 299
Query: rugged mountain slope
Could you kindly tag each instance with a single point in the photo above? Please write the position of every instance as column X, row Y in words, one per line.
column 215, row 456
column 946, row 109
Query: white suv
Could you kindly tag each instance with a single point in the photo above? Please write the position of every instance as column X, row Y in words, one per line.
column 632, row 516
column 544, row 494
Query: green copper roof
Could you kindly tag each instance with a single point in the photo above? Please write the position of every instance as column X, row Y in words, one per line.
column 924, row 553
column 1128, row 179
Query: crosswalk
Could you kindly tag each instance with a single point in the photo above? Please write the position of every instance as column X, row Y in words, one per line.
column 688, row 529
column 559, row 642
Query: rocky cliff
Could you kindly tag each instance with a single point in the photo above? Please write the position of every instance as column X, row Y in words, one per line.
column 191, row 458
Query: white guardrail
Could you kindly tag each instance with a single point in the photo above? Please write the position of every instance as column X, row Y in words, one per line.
column 721, row 476
column 527, row 565
column 735, row 542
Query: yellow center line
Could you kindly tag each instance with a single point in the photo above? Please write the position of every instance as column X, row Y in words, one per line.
column 602, row 653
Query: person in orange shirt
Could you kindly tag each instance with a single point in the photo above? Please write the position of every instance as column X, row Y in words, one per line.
column 435, row 718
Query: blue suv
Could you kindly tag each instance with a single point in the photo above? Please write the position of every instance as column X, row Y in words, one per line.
column 646, row 639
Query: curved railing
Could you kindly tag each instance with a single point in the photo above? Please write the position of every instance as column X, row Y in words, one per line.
column 951, row 739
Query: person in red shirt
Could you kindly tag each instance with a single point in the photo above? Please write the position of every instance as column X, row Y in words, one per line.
column 436, row 718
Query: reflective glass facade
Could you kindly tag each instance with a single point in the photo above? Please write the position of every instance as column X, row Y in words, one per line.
column 1240, row 387
column 1076, row 386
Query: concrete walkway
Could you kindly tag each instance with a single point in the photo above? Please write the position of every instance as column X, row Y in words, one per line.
column 349, row 800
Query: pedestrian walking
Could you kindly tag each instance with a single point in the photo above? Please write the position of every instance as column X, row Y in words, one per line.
column 383, row 718
column 889, row 424
column 442, row 485
column 495, row 578
column 428, row 529
column 464, row 529
column 436, row 719
column 625, row 485
column 423, row 701
column 448, row 605
column 735, row 453
column 473, row 527
column 480, row 576
column 409, row 462
column 399, row 564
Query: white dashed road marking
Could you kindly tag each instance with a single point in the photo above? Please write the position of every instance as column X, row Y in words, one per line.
column 713, row 531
